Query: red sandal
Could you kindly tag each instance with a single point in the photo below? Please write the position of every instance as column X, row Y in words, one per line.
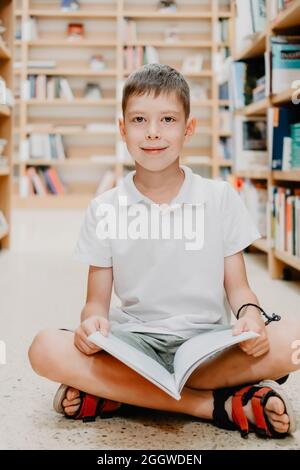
column 90, row 406
column 259, row 395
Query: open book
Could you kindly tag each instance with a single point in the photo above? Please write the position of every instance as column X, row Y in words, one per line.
column 187, row 358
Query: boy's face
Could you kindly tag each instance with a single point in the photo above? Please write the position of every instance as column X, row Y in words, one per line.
column 155, row 129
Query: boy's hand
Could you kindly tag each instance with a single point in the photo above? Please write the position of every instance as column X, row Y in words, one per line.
column 257, row 346
column 86, row 328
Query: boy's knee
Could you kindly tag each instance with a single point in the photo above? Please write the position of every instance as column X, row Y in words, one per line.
column 41, row 351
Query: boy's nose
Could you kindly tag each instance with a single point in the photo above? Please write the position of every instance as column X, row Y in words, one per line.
column 152, row 134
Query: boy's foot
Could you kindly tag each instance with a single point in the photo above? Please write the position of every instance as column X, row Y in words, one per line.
column 263, row 408
column 80, row 405
column 274, row 409
column 72, row 401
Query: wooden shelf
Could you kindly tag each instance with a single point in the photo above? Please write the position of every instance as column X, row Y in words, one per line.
column 67, row 162
column 82, row 13
column 288, row 18
column 6, row 59
column 66, row 132
column 287, row 258
column 185, row 14
column 4, row 110
column 4, row 51
column 262, row 245
column 4, row 170
column 74, row 102
column 254, row 174
column 226, row 163
column 175, row 45
column 72, row 72
column 256, row 109
column 293, row 175
column 203, row 73
column 256, row 49
column 283, row 98
column 68, row 43
column 66, row 201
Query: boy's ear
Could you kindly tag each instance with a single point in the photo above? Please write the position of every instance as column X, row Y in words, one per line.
column 122, row 128
column 190, row 127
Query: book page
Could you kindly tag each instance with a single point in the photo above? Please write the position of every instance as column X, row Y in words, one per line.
column 199, row 348
column 138, row 361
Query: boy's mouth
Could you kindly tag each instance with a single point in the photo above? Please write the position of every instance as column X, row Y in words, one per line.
column 153, row 150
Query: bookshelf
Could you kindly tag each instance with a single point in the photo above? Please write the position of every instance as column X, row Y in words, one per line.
column 286, row 22
column 6, row 124
column 194, row 22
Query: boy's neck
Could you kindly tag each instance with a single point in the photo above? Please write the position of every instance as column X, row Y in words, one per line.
column 159, row 186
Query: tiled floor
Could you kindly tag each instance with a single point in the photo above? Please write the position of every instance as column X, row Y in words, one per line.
column 41, row 286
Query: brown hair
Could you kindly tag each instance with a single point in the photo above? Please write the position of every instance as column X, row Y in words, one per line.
column 157, row 79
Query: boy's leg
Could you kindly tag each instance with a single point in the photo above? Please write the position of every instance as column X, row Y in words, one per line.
column 54, row 356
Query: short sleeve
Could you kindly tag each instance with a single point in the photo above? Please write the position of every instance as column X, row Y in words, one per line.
column 90, row 248
column 239, row 229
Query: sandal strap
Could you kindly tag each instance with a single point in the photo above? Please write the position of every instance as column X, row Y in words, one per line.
column 92, row 406
column 220, row 416
column 238, row 413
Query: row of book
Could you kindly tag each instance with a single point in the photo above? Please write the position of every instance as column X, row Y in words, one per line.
column 48, row 87
column 254, row 79
column 285, row 219
column 44, row 180
column 255, row 197
column 284, row 138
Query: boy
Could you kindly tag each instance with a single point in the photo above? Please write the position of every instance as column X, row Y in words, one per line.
column 170, row 288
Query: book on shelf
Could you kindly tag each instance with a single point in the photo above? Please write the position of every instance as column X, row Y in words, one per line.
column 285, row 219
column 92, row 91
column 46, row 147
column 69, row 5
column 41, row 181
column 225, row 148
column 285, row 62
column 190, row 355
column 75, row 31
column 280, row 125
column 250, row 143
column 221, row 30
column 255, row 197
column 65, row 91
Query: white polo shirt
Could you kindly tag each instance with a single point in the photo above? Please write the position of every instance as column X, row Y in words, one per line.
column 163, row 286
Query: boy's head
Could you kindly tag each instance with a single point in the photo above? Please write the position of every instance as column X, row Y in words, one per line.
column 156, row 109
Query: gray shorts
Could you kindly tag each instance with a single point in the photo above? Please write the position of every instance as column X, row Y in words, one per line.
column 161, row 347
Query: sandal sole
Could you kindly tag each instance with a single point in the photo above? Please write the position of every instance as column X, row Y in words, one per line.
column 59, row 397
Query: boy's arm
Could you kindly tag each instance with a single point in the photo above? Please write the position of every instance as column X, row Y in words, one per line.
column 94, row 315
column 237, row 287
column 99, row 289
column 238, row 293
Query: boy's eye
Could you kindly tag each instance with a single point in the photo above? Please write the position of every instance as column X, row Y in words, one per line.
column 169, row 119
column 138, row 119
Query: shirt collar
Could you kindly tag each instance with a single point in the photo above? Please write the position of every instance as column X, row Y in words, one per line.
column 191, row 192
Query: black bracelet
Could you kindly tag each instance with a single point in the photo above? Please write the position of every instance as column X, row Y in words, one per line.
column 274, row 316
